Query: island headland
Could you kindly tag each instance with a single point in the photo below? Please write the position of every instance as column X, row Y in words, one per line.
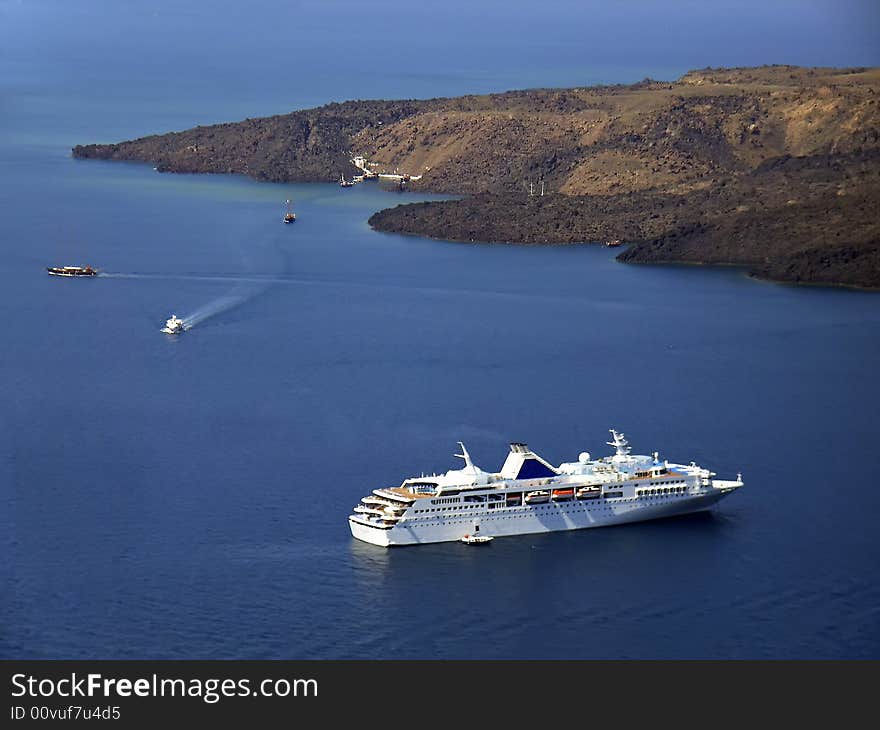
column 775, row 168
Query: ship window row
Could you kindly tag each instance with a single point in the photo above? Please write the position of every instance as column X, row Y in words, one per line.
column 653, row 492
column 460, row 506
column 607, row 495
column 523, row 513
column 517, row 516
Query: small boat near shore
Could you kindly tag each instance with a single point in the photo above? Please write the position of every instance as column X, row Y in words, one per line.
column 614, row 243
column 289, row 216
column 71, row 271
column 343, row 183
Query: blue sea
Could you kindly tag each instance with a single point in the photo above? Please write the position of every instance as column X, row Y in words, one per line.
column 187, row 497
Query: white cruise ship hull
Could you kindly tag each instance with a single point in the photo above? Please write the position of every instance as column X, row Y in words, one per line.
column 531, row 519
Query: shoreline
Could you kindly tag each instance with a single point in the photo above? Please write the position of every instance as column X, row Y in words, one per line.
column 663, row 263
column 771, row 168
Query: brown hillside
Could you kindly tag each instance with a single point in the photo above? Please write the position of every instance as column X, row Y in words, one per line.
column 754, row 166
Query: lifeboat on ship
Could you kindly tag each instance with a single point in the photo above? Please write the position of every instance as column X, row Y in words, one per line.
column 539, row 497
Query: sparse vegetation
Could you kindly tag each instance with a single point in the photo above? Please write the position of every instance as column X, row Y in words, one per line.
column 775, row 168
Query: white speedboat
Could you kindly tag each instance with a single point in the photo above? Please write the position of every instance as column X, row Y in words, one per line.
column 174, row 326
column 476, row 539
column 529, row 495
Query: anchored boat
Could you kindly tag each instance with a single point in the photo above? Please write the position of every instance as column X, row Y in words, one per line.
column 476, row 539
column 289, row 216
column 529, row 495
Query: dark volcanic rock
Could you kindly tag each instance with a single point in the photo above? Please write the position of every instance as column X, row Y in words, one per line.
column 776, row 168
column 312, row 145
column 788, row 222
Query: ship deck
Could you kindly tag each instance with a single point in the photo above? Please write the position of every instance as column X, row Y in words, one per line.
column 588, row 480
column 403, row 492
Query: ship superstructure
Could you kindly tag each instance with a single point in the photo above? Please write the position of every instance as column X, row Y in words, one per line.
column 529, row 495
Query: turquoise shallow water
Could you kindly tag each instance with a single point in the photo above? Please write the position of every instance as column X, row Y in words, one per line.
column 187, row 497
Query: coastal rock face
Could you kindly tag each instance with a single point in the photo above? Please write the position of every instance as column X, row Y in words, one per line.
column 800, row 220
column 774, row 168
column 312, row 145
column 667, row 137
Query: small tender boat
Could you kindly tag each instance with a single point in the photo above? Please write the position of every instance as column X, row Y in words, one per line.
column 538, row 497
column 343, row 183
column 174, row 325
column 476, row 539
column 71, row 271
column 289, row 216
column 614, row 243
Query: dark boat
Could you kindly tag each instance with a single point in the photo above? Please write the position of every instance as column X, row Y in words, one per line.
column 71, row 271
column 289, row 217
column 343, row 183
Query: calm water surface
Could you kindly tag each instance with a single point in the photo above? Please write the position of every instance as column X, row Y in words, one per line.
column 187, row 497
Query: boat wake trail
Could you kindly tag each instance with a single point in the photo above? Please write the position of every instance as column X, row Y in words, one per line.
column 231, row 278
column 239, row 295
column 262, row 266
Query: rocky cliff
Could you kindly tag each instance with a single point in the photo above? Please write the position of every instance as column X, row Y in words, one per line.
column 774, row 168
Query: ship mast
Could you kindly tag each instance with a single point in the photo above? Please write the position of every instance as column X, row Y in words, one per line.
column 619, row 442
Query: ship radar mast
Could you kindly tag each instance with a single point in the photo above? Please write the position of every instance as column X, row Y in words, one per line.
column 619, row 442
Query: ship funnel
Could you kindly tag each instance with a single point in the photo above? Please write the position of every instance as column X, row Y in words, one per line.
column 465, row 455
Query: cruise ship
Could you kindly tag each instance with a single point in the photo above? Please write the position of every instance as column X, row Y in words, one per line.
column 530, row 495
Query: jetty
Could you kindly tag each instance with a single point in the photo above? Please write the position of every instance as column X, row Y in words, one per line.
column 368, row 173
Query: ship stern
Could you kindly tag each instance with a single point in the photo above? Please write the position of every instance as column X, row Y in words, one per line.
column 370, row 534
